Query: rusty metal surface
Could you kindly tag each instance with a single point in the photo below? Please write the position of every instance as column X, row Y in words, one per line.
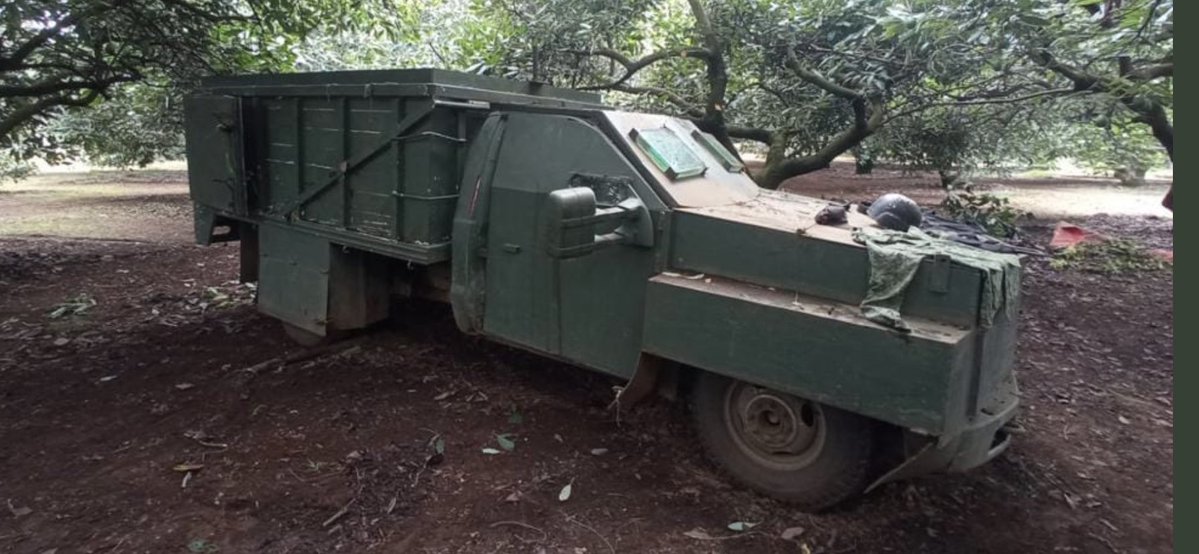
column 784, row 211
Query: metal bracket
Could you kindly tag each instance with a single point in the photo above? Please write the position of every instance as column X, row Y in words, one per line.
column 938, row 276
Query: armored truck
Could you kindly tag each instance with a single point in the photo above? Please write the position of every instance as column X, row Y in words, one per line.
column 632, row 244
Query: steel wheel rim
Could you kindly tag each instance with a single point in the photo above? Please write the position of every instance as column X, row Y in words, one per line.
column 774, row 429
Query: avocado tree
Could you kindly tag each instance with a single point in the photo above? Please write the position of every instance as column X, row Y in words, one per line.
column 807, row 81
column 1108, row 64
column 811, row 81
column 134, row 58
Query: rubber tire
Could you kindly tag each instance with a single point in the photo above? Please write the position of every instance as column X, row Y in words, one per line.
column 839, row 473
column 306, row 338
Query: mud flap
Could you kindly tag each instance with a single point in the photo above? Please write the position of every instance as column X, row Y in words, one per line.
column 647, row 378
column 917, row 464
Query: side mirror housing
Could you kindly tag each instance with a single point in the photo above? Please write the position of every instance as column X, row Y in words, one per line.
column 573, row 215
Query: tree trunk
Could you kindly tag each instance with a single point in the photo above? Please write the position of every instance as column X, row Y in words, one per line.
column 1131, row 176
column 863, row 162
column 949, row 178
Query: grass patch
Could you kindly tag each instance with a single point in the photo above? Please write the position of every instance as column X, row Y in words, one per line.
column 1109, row 257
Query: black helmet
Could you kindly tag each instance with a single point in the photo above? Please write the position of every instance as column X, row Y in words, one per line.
column 895, row 211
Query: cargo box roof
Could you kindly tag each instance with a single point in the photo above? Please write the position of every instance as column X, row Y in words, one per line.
column 383, row 77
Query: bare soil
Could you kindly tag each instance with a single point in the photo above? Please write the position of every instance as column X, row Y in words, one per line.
column 1069, row 196
column 102, row 414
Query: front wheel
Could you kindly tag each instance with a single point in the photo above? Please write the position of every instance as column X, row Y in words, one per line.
column 793, row 449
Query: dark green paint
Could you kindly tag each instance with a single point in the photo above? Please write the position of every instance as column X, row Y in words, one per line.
column 821, row 268
column 585, row 309
column 852, row 364
column 293, row 277
column 337, row 177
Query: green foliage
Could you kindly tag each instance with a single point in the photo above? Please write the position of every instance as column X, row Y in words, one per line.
column 956, row 86
column 968, row 140
column 1111, row 257
column 863, row 158
column 994, row 213
column 135, row 125
column 1112, row 142
column 14, row 169
column 57, row 58
column 76, row 305
column 202, row 546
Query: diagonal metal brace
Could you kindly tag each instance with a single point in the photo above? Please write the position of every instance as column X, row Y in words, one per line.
column 346, row 166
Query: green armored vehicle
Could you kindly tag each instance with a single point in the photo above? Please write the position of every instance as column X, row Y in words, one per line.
column 628, row 243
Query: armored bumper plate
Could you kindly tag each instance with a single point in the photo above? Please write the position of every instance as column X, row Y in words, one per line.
column 811, row 347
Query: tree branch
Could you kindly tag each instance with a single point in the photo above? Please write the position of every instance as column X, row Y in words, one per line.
column 57, row 84
column 24, row 113
column 631, row 67
column 17, row 58
column 751, row 133
column 1151, row 72
column 1008, row 100
column 704, row 25
column 869, row 116
column 688, row 108
column 821, row 81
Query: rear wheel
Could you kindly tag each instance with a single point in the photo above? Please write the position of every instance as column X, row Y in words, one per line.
column 793, row 449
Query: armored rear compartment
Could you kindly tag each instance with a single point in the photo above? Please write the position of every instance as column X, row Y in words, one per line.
column 371, row 157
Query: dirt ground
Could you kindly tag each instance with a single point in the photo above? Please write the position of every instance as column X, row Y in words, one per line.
column 169, row 416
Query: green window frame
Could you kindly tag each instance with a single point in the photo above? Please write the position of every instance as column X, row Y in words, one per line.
column 668, row 152
column 722, row 154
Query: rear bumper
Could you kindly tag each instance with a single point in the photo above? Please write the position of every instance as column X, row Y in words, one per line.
column 981, row 442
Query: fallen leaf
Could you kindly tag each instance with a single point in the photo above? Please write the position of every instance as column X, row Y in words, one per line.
column 740, row 526
column 439, row 445
column 506, row 442
column 792, row 532
column 564, row 494
column 185, row 467
column 699, row 534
